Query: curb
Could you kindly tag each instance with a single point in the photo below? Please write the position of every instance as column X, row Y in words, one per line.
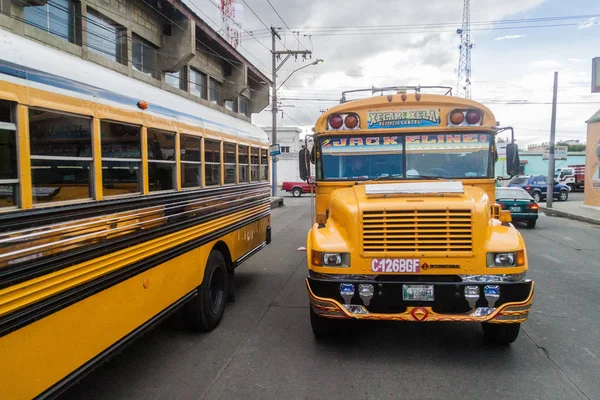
column 278, row 202
column 555, row 213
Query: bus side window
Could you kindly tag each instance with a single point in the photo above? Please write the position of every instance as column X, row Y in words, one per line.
column 264, row 165
column 254, row 161
column 243, row 163
column 229, row 162
column 9, row 178
column 162, row 165
column 121, row 158
column 191, row 165
column 61, row 156
column 212, row 162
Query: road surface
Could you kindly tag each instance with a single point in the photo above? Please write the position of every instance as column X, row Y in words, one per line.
column 264, row 347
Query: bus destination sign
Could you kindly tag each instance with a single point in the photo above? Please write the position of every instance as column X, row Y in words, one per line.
column 403, row 119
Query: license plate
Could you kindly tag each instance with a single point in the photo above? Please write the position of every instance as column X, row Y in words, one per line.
column 515, row 209
column 417, row 292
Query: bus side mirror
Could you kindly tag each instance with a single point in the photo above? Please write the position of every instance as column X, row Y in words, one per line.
column 303, row 164
column 512, row 159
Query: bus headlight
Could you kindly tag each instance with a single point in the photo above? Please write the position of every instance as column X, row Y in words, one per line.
column 511, row 259
column 327, row 259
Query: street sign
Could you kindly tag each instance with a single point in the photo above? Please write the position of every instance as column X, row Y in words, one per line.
column 274, row 150
column 560, row 153
column 596, row 75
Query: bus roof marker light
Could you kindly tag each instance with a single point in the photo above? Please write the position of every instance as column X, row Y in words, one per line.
column 351, row 121
column 457, row 117
column 336, row 121
column 403, row 97
column 473, row 117
column 142, row 104
column 418, row 96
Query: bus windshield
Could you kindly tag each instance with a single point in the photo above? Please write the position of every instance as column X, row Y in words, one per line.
column 456, row 155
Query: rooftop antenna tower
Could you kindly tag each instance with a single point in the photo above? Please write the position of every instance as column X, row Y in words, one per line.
column 463, row 86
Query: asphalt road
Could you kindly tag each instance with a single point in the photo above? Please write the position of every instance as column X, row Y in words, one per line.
column 264, row 347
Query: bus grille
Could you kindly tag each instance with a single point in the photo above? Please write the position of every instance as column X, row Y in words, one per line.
column 417, row 231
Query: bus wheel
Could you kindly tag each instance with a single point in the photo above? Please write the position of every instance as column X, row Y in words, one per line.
column 502, row 334
column 204, row 312
column 322, row 326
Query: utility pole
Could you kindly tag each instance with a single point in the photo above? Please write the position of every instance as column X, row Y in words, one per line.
column 550, row 186
column 275, row 56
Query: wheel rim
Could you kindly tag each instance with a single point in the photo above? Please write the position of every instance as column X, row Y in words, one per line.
column 536, row 197
column 216, row 290
column 563, row 196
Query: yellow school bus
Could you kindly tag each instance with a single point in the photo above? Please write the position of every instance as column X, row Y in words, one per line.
column 407, row 228
column 119, row 203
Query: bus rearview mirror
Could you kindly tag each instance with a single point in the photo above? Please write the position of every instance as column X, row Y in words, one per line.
column 512, row 159
column 303, row 164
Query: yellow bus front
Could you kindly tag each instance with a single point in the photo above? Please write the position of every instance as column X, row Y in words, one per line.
column 407, row 226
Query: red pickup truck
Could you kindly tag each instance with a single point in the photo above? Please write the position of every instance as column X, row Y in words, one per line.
column 297, row 188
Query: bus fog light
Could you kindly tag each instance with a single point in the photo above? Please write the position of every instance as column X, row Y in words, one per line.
column 347, row 292
column 472, row 295
column 492, row 294
column 365, row 292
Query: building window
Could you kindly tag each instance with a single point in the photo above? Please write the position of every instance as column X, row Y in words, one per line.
column 106, row 37
column 198, row 84
column 215, row 91
column 61, row 156
column 9, row 178
column 243, row 106
column 162, row 166
column 229, row 162
column 191, row 165
column 212, row 163
column 144, row 57
column 231, row 105
column 285, row 149
column 121, row 158
column 254, row 161
column 176, row 79
column 243, row 163
column 264, row 165
column 56, row 17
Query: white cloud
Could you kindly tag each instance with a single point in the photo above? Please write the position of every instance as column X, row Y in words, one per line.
column 578, row 60
column 546, row 64
column 509, row 37
column 589, row 23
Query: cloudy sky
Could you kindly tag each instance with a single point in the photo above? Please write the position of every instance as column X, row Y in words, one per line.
column 518, row 44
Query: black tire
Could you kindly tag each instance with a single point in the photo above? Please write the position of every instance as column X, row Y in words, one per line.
column 572, row 186
column 501, row 334
column 296, row 192
column 204, row 312
column 531, row 224
column 563, row 196
column 322, row 326
column 537, row 197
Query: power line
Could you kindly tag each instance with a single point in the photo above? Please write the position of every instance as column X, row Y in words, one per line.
column 285, row 24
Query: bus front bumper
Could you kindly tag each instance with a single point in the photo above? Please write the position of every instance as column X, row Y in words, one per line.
column 499, row 302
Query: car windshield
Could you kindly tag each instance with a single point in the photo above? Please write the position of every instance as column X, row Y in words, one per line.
column 381, row 157
column 507, row 193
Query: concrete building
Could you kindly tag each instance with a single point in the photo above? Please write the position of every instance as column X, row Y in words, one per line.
column 161, row 42
column 592, row 166
column 533, row 163
column 289, row 140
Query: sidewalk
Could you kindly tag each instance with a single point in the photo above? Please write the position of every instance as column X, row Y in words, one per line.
column 573, row 210
column 276, row 202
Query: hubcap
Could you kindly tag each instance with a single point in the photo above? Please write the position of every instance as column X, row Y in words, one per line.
column 216, row 290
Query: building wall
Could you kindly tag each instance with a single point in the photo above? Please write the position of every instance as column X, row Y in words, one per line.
column 287, row 164
column 174, row 36
column 592, row 165
column 536, row 165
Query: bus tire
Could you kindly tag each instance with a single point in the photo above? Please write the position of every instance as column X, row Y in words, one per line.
column 501, row 334
column 204, row 312
column 322, row 326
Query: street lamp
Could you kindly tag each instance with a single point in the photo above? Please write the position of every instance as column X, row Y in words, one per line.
column 317, row 61
column 274, row 107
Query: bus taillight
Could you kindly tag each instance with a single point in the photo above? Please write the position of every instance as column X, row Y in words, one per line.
column 336, row 121
column 351, row 121
column 457, row 117
column 473, row 117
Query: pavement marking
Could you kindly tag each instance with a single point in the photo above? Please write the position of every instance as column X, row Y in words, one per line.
column 590, row 353
column 569, row 239
column 551, row 258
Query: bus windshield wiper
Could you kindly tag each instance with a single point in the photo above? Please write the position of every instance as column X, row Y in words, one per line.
column 419, row 176
column 386, row 177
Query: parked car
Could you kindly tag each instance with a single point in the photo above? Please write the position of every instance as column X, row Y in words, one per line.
column 537, row 187
column 521, row 205
column 573, row 176
column 296, row 188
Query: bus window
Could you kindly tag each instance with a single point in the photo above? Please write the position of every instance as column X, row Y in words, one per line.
column 212, row 163
column 229, row 161
column 8, row 156
column 121, row 158
column 191, row 166
column 264, row 165
column 254, row 164
column 243, row 163
column 61, row 156
column 162, row 166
